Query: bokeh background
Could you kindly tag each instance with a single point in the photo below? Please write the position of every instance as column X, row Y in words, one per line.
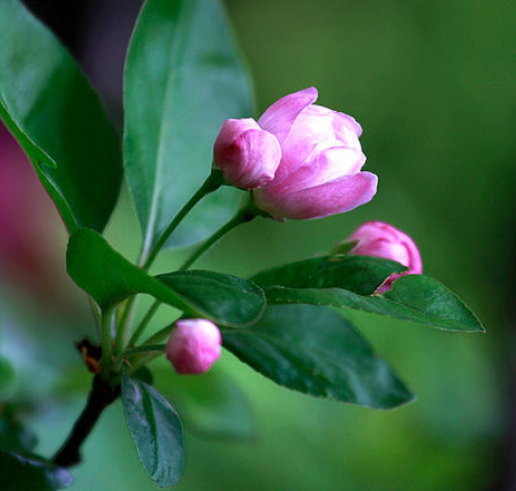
column 433, row 85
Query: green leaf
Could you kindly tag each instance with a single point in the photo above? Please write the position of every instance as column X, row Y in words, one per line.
column 110, row 278
column 7, row 378
column 156, row 430
column 315, row 351
column 212, row 405
column 236, row 302
column 52, row 110
column 414, row 298
column 360, row 274
column 14, row 436
column 183, row 78
column 31, row 473
column 144, row 375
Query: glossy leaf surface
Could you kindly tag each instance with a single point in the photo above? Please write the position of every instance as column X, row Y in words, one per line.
column 156, row 430
column 235, row 300
column 58, row 119
column 315, row 351
column 414, row 298
column 183, row 78
column 360, row 274
column 110, row 278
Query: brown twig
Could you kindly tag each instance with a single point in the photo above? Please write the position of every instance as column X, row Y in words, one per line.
column 100, row 397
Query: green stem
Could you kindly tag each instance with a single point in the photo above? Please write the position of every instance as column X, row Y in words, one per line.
column 145, row 350
column 160, row 336
column 96, row 316
column 140, row 362
column 107, row 350
column 143, row 324
column 245, row 214
column 124, row 325
column 212, row 183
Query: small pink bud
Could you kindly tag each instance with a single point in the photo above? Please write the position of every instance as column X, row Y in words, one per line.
column 379, row 239
column 247, row 155
column 194, row 346
column 321, row 160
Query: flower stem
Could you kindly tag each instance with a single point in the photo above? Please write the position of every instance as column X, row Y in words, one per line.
column 160, row 336
column 245, row 214
column 212, row 183
column 107, row 350
column 143, row 324
column 141, row 361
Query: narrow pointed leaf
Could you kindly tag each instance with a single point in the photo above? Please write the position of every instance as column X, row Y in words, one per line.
column 351, row 281
column 360, row 274
column 414, row 298
column 110, row 278
column 156, row 430
column 183, row 78
column 58, row 119
column 315, row 351
column 23, row 472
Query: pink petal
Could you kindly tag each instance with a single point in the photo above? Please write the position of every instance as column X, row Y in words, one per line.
column 344, row 122
column 230, row 130
column 259, row 155
column 383, row 248
column 327, row 199
column 331, row 164
column 380, row 239
column 279, row 118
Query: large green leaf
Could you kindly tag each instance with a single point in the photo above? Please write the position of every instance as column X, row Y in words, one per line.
column 233, row 300
column 317, row 352
column 52, row 110
column 183, row 78
column 21, row 472
column 414, row 298
column 360, row 274
column 351, row 281
column 156, row 430
column 110, row 278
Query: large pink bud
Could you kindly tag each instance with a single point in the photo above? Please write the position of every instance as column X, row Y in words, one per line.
column 247, row 155
column 194, row 346
column 379, row 239
column 321, row 160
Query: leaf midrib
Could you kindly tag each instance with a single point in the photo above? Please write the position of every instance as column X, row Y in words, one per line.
column 176, row 50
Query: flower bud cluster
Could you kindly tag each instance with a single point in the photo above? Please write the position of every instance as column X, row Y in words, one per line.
column 302, row 160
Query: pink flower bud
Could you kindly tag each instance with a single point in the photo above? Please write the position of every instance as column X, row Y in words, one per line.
column 380, row 239
column 247, row 155
column 321, row 160
column 194, row 346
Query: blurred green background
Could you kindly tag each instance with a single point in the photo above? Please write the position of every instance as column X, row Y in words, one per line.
column 433, row 85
